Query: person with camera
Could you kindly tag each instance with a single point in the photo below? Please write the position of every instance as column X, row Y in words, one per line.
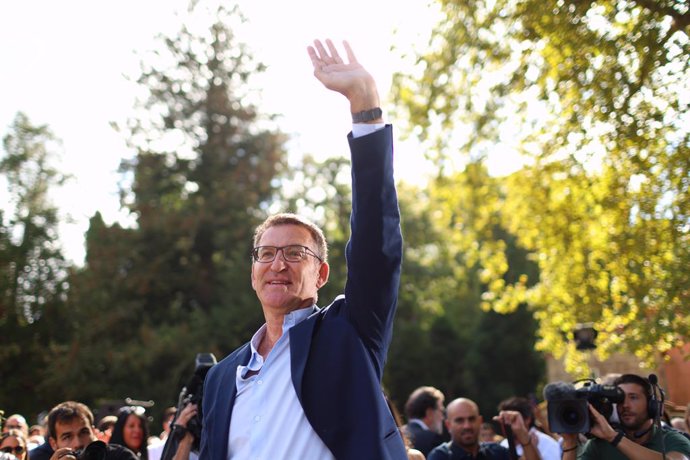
column 548, row 447
column 180, row 433
column 71, row 430
column 464, row 424
column 308, row 384
column 639, row 437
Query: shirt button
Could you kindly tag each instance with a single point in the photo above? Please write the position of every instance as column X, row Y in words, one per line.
column 257, row 418
column 259, row 382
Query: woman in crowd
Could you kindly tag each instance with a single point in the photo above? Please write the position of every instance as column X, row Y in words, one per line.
column 131, row 430
column 13, row 442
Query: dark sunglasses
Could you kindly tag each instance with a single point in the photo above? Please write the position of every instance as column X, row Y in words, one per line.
column 17, row 450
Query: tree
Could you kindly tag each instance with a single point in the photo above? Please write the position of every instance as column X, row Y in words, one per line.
column 588, row 93
column 443, row 337
column 204, row 175
column 33, row 270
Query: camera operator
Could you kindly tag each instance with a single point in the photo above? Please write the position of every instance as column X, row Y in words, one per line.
column 639, row 438
column 71, row 429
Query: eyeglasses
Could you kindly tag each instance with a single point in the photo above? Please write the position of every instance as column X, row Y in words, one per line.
column 16, row 449
column 291, row 253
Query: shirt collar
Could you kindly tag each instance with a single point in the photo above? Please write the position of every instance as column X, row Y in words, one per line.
column 291, row 319
column 419, row 422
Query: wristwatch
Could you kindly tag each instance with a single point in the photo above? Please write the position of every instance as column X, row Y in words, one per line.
column 367, row 115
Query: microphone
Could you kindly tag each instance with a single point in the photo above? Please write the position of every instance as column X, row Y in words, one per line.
column 557, row 391
column 653, row 379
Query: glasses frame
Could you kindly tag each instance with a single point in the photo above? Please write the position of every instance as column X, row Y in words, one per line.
column 16, row 449
column 307, row 251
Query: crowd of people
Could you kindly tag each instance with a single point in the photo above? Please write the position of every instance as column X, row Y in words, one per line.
column 70, row 428
column 639, row 428
column 433, row 430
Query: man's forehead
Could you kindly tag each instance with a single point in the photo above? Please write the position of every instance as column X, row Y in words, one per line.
column 631, row 388
column 76, row 423
column 285, row 234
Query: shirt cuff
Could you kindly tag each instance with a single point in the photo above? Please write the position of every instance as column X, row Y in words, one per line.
column 362, row 129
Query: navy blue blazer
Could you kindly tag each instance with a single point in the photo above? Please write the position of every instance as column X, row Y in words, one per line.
column 338, row 353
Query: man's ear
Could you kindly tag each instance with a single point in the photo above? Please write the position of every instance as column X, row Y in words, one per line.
column 52, row 442
column 324, row 271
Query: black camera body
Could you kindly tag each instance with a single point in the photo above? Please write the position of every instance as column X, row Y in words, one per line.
column 569, row 411
column 192, row 393
column 94, row 451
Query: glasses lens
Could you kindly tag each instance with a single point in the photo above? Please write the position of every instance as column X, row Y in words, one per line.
column 265, row 253
column 16, row 450
column 294, row 253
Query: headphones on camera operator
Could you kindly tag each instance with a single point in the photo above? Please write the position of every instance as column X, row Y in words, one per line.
column 655, row 406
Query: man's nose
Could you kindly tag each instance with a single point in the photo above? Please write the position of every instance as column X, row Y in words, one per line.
column 278, row 263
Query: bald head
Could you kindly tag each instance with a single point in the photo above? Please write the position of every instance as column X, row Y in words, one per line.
column 460, row 403
column 464, row 423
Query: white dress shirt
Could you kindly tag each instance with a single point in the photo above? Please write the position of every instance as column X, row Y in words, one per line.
column 268, row 421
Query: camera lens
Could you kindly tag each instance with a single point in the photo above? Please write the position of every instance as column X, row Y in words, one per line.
column 570, row 415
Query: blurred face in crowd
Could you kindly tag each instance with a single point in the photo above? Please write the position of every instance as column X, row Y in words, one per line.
column 14, row 422
column 436, row 417
column 486, row 433
column 133, row 432
column 633, row 412
column 284, row 286
column 463, row 422
column 74, row 434
column 13, row 443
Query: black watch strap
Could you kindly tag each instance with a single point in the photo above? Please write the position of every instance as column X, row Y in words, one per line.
column 615, row 441
column 367, row 115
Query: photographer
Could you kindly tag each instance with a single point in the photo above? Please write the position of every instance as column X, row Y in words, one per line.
column 639, row 439
column 71, row 429
column 184, row 436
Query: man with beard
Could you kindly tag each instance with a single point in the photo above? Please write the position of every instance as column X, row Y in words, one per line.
column 425, row 413
column 464, row 423
column 639, row 437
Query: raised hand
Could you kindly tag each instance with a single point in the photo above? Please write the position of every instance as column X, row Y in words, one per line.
column 350, row 79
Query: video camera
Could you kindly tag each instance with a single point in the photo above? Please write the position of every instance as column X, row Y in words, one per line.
column 567, row 407
column 192, row 393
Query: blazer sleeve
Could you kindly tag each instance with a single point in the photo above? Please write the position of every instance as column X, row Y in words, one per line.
column 374, row 251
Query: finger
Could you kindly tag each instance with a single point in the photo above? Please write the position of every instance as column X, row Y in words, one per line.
column 315, row 61
column 323, row 54
column 334, row 51
column 350, row 54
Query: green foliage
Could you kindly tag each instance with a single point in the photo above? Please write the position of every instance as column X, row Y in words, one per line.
column 177, row 283
column 32, row 268
column 443, row 337
column 589, row 93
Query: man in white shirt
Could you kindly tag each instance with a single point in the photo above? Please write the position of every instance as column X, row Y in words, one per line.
column 548, row 447
column 308, row 384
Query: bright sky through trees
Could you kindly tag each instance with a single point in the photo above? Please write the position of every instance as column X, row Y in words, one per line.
column 64, row 65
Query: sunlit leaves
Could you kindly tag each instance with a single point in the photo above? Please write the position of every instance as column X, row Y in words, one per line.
column 596, row 96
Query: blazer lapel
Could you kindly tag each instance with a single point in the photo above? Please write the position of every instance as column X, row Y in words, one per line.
column 300, row 342
column 225, row 400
